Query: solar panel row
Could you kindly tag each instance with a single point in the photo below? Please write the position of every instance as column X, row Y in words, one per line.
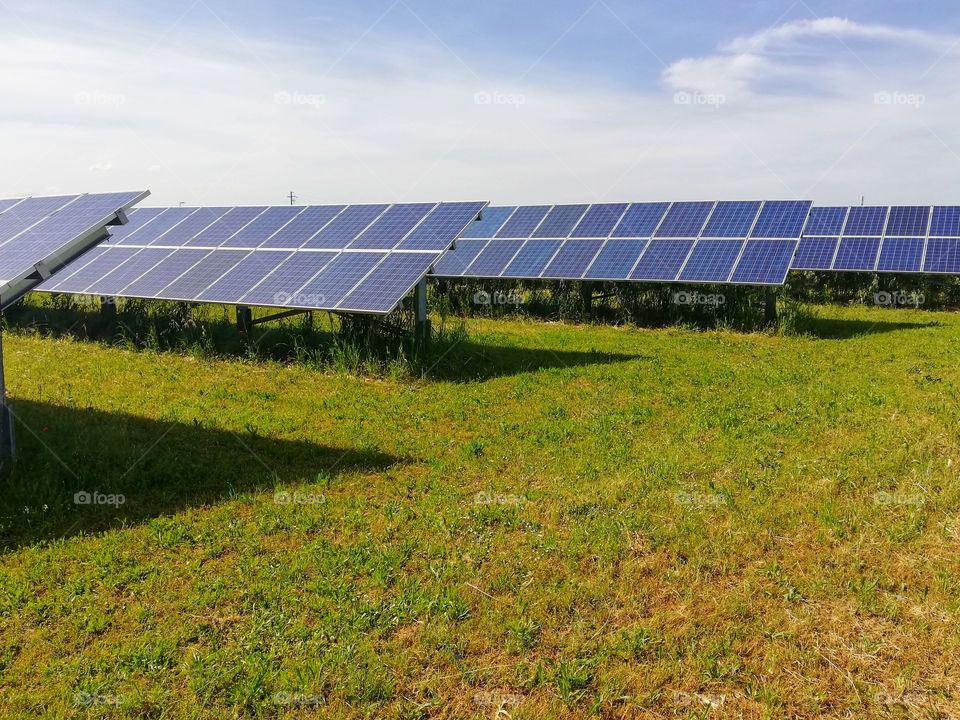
column 356, row 258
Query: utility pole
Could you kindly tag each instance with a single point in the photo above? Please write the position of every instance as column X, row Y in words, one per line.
column 293, row 198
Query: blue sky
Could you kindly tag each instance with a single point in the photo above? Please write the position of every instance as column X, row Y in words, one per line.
column 209, row 102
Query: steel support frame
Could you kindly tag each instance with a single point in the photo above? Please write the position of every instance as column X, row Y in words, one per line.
column 8, row 443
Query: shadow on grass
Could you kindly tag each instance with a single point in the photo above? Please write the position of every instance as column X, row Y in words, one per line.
column 841, row 329
column 159, row 467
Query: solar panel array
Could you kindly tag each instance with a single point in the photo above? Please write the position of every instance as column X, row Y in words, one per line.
column 740, row 242
column 39, row 235
column 350, row 258
column 901, row 238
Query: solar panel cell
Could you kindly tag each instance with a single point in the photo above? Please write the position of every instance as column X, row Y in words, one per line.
column 731, row 219
column 230, row 223
column 662, row 259
column 573, row 259
column 455, row 261
column 826, row 221
column 901, row 254
column 122, row 274
column 640, row 220
column 244, row 276
column 395, row 276
column 616, row 259
column 781, row 219
column 599, row 220
column 945, row 221
column 494, row 258
column 943, row 256
column 340, row 277
column 203, row 274
column 165, row 272
column 181, row 233
column 305, row 229
column 857, row 253
column 391, row 227
column 815, row 253
column 491, row 221
column 866, row 221
column 523, row 221
column 265, row 225
column 559, row 221
column 711, row 260
column 908, row 221
column 282, row 286
column 532, row 258
column 684, row 220
column 764, row 262
column 442, row 226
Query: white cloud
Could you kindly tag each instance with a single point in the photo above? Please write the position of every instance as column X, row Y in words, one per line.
column 227, row 121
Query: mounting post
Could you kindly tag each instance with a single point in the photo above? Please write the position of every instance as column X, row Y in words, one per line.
column 770, row 307
column 244, row 318
column 586, row 297
column 8, row 445
column 108, row 307
column 422, row 330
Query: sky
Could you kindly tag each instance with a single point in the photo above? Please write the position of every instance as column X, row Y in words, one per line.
column 211, row 102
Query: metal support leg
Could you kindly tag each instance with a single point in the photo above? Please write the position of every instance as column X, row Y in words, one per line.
column 108, row 307
column 8, row 445
column 770, row 309
column 244, row 318
column 586, row 296
column 422, row 330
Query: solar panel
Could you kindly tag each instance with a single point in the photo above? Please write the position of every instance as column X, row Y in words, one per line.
column 826, row 221
column 857, row 253
column 152, row 231
column 559, row 221
column 532, row 258
column 136, row 219
column 731, row 220
column 283, row 286
column 901, row 254
column 523, row 221
column 447, row 221
column 29, row 212
column 165, row 272
column 233, row 221
column 183, row 232
column 8, row 203
column 662, row 260
column 203, row 274
column 491, row 220
column 494, row 258
column 599, row 220
column 71, row 271
column 781, row 219
column 237, row 282
column 684, row 220
column 640, row 220
column 908, row 221
column 391, row 227
column 572, row 260
column 342, row 275
column 816, row 253
column 945, row 221
column 712, row 260
column 764, row 262
column 866, row 221
column 265, row 225
column 125, row 272
column 616, row 259
column 395, row 275
column 322, row 226
column 942, row 256
column 455, row 261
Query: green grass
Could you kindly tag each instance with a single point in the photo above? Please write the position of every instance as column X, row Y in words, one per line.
column 555, row 521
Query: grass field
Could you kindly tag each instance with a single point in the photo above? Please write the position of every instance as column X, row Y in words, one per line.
column 556, row 521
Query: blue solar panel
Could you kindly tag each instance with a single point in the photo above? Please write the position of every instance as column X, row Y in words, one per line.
column 559, row 221
column 99, row 265
column 764, row 262
column 152, row 231
column 781, row 219
column 815, row 253
column 490, row 222
column 8, row 203
column 441, row 227
column 161, row 275
column 826, row 221
column 640, row 220
column 282, row 286
column 302, row 230
column 662, row 260
column 494, row 258
column 616, row 259
column 573, row 259
column 523, row 221
column 901, row 254
column 945, row 221
column 943, row 256
column 857, row 253
column 244, row 276
column 124, row 273
column 203, row 274
column 908, row 221
column 136, row 219
column 599, row 220
column 866, row 221
column 391, row 227
column 76, row 266
column 181, row 233
column 731, row 219
column 233, row 221
column 340, row 276
column 684, row 220
column 265, row 225
column 532, row 258
column 394, row 277
column 455, row 261
column 27, row 213
column 711, row 260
